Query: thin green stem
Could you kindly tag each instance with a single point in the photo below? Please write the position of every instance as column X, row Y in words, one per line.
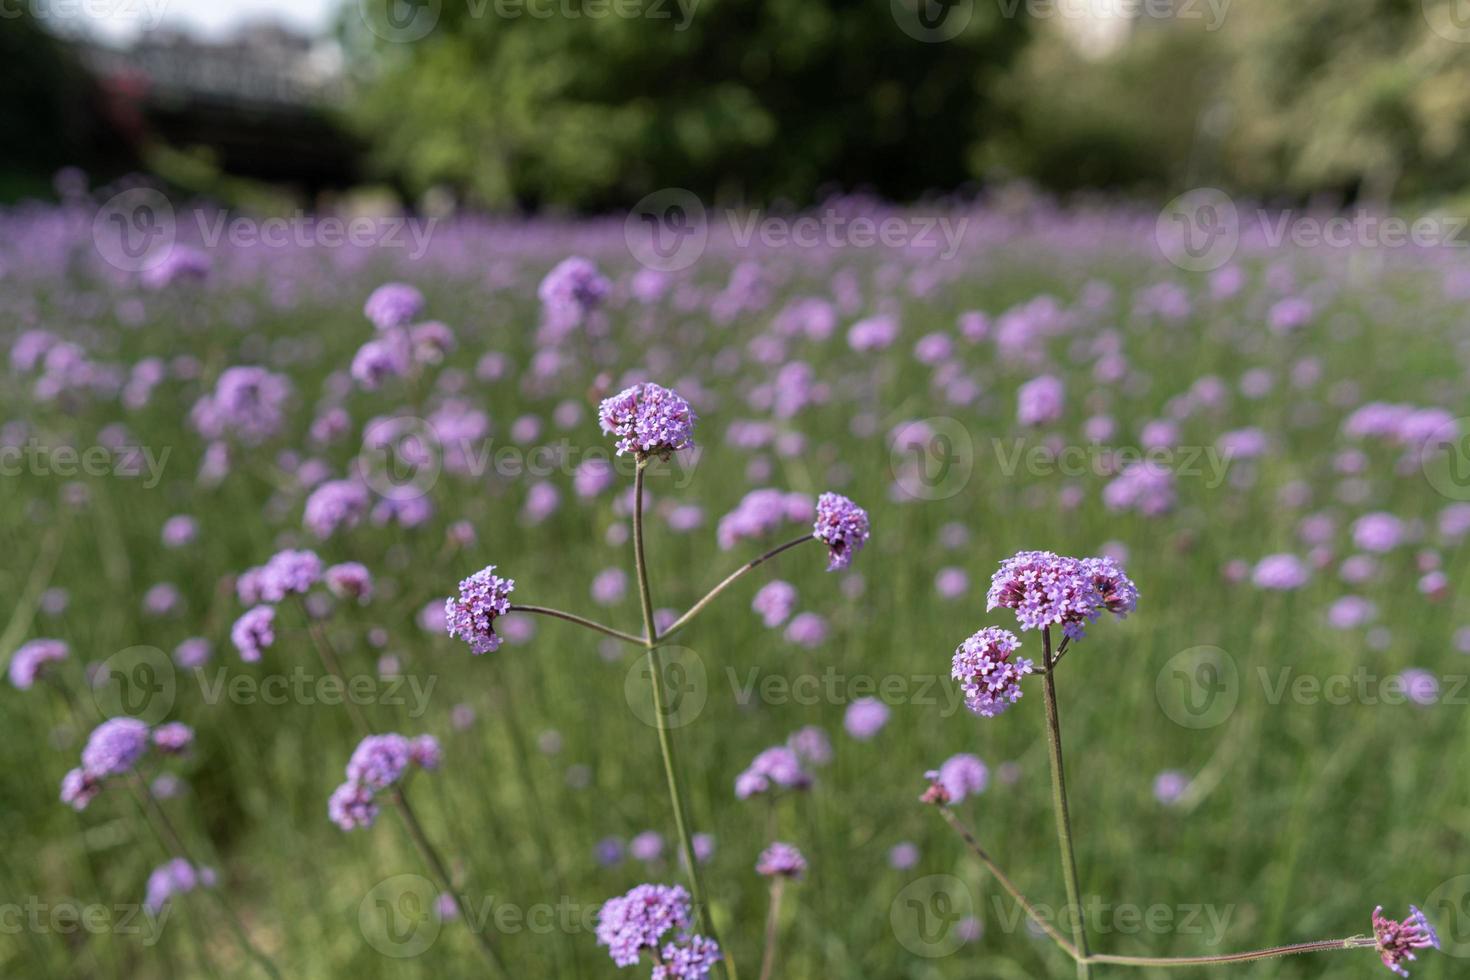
column 175, row 843
column 1321, row 946
column 580, row 621
column 773, row 922
column 1005, row 882
column 699, row 606
column 665, row 734
column 333, row 665
column 1059, row 804
column 446, row 883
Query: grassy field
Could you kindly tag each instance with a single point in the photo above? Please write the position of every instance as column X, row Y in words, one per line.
column 1313, row 791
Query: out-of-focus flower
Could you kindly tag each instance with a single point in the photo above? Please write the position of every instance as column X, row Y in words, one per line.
column 781, row 860
column 865, row 718
column 29, row 662
column 254, row 632
column 114, row 747
column 393, row 305
column 1039, row 401
column 775, row 602
column 1280, row 573
column 958, row 777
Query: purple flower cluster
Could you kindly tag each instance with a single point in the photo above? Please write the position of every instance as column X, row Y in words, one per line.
column 288, row 573
column 28, row 663
column 571, row 290
column 254, row 632
column 378, row 762
column 176, row 877
column 648, row 420
column 113, row 749
column 335, row 505
column 778, row 767
column 248, row 404
column 1145, row 486
column 393, row 304
column 638, row 922
column 843, row 526
column 759, row 513
column 781, row 861
column 989, row 678
column 483, row 597
column 1398, row 940
column 775, row 602
column 958, row 777
column 1047, row 589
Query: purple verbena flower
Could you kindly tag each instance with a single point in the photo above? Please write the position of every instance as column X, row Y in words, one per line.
column 254, row 632
column 393, row 304
column 689, row 959
column 483, row 597
column 379, row 761
column 843, row 526
column 351, row 806
column 176, row 877
column 865, row 718
column 30, row 661
column 78, row 789
column 775, row 602
column 648, row 420
column 114, row 747
column 989, row 678
column 1045, row 590
column 173, row 738
column 349, row 580
column 1398, row 940
column 781, row 860
column 957, row 777
column 637, row 921
column 289, row 573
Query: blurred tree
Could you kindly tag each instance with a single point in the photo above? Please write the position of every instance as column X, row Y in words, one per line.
column 564, row 102
column 51, row 112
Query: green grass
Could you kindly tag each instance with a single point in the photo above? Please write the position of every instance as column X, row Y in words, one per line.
column 1305, row 815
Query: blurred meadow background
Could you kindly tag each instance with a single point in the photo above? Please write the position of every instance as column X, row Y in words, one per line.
column 868, row 243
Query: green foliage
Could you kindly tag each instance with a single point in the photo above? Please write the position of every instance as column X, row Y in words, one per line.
column 729, row 98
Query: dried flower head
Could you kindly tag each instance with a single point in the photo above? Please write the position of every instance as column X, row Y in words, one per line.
column 1398, row 940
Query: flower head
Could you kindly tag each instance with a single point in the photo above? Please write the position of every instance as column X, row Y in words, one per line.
column 175, row 877
column 173, row 738
column 648, row 420
column 1398, row 940
column 351, row 806
column 637, row 921
column 379, row 761
column 114, row 747
column 350, row 580
column 1046, row 589
column 688, row 960
column 393, row 304
column 781, row 860
column 78, row 789
column 991, row 681
column 957, row 777
column 778, row 767
column 843, row 526
column 30, row 661
column 288, row 573
column 254, row 632
column 483, row 597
